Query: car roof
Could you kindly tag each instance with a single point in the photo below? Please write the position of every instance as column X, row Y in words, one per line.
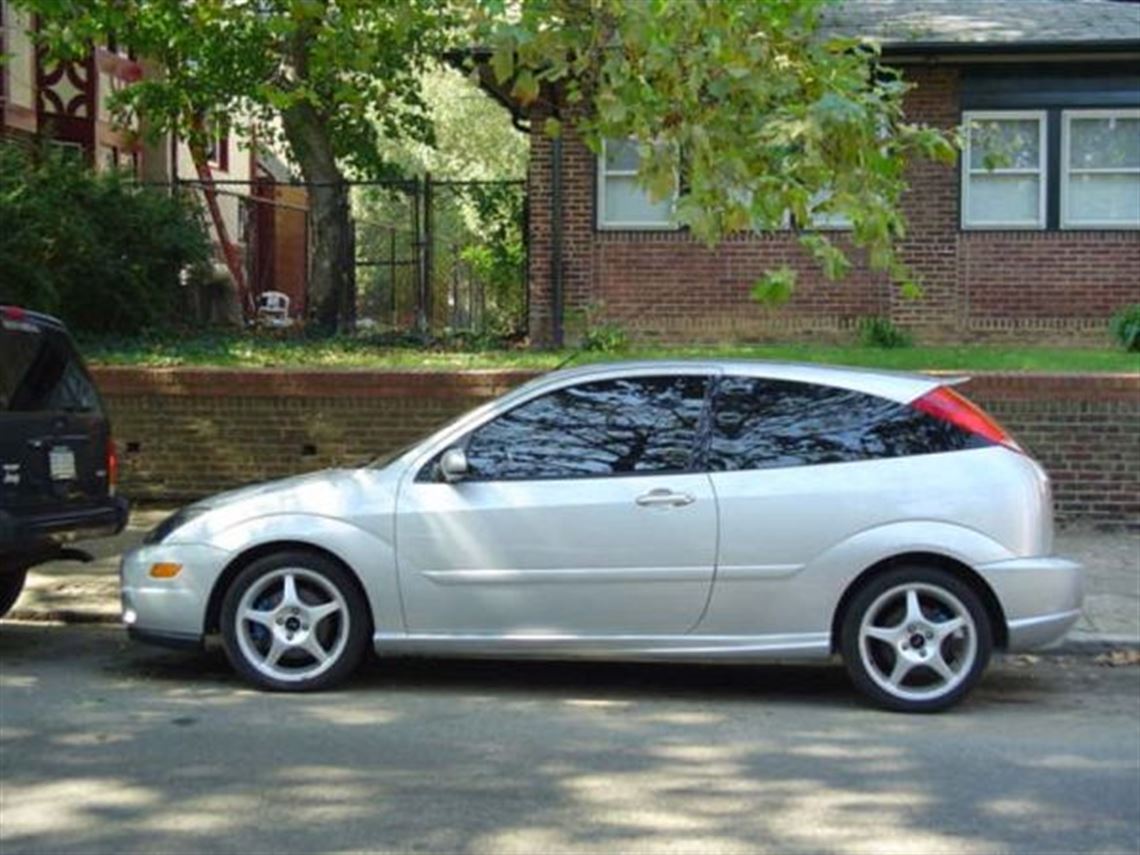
column 895, row 385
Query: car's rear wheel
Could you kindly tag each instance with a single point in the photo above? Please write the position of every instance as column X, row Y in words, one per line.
column 11, row 584
column 916, row 639
column 294, row 621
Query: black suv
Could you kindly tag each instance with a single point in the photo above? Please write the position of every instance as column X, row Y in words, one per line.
column 57, row 459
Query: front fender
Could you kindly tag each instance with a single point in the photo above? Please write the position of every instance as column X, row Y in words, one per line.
column 371, row 557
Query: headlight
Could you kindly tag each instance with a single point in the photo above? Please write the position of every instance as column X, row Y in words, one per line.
column 172, row 523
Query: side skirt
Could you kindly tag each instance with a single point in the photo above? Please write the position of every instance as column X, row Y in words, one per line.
column 663, row 648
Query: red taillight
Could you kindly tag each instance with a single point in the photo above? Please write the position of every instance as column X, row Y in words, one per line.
column 12, row 313
column 112, row 466
column 946, row 404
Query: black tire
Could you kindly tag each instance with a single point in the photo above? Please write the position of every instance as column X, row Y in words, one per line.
column 11, row 584
column 318, row 583
column 942, row 598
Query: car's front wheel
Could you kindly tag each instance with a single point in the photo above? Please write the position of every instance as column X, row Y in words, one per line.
column 294, row 621
column 916, row 639
column 11, row 584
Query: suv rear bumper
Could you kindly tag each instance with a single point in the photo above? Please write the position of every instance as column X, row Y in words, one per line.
column 33, row 534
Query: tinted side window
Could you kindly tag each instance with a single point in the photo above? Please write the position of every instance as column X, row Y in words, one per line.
column 609, row 427
column 762, row 424
column 39, row 370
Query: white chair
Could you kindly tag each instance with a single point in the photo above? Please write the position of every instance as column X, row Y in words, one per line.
column 273, row 309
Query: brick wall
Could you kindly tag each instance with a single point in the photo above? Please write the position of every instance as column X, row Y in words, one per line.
column 187, row 433
column 1003, row 285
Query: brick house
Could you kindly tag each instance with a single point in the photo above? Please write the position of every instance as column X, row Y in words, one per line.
column 1047, row 248
column 67, row 105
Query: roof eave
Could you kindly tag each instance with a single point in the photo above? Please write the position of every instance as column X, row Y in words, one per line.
column 982, row 50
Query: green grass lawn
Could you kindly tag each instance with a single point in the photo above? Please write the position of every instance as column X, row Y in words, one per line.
column 265, row 352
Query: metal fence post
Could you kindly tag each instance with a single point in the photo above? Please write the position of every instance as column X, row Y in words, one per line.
column 429, row 255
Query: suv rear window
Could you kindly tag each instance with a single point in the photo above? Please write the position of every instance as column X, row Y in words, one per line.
column 40, row 370
column 763, row 424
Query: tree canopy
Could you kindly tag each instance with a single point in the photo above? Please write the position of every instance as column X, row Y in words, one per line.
column 752, row 110
column 749, row 109
column 330, row 79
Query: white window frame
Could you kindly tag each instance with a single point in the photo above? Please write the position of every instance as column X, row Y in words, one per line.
column 833, row 222
column 1067, row 170
column 970, row 116
column 605, row 224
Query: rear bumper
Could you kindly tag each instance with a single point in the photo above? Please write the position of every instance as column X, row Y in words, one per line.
column 28, row 540
column 1041, row 597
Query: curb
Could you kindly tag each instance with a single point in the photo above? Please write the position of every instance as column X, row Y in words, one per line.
column 65, row 616
column 1090, row 646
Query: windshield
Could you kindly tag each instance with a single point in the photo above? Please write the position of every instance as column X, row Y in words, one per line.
column 387, row 457
column 380, row 461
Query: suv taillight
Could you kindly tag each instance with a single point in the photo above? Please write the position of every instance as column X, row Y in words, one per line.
column 112, row 466
column 946, row 404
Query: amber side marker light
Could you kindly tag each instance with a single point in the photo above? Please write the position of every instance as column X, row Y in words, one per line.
column 165, row 570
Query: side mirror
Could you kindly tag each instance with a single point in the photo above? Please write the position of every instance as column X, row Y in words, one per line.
column 453, row 465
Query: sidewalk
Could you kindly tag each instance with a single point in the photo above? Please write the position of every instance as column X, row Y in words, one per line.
column 89, row 593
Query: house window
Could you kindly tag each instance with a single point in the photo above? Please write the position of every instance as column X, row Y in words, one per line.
column 826, row 220
column 622, row 202
column 1003, row 175
column 1100, row 169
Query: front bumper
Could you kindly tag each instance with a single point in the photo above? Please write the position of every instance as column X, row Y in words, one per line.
column 169, row 608
column 1041, row 597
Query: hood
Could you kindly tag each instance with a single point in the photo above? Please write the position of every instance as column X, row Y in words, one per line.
column 285, row 490
column 350, row 495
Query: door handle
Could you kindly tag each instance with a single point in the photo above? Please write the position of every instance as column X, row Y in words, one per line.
column 667, row 498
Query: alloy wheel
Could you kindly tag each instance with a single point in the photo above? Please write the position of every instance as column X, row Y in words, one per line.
column 292, row 624
column 918, row 642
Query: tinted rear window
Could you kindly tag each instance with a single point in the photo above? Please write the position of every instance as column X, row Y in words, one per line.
column 761, row 424
column 39, row 370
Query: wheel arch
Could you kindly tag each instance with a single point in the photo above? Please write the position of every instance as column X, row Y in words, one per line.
column 933, row 559
column 245, row 558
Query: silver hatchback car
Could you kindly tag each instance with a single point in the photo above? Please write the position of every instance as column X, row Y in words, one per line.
column 696, row 511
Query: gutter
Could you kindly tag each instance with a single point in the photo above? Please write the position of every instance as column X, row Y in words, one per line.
column 1054, row 51
column 556, row 292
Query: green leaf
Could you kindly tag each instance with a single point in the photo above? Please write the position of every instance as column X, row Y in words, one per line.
column 552, row 128
column 775, row 287
column 503, row 62
column 910, row 289
column 526, row 87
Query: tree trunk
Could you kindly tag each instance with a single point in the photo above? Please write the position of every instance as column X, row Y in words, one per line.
column 332, row 270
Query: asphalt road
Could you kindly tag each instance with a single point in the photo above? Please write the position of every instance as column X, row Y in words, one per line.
column 106, row 746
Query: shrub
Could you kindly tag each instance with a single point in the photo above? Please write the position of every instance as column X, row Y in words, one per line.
column 881, row 333
column 96, row 249
column 605, row 338
column 593, row 333
column 1125, row 327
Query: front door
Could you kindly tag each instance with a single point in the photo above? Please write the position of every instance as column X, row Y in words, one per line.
column 582, row 515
